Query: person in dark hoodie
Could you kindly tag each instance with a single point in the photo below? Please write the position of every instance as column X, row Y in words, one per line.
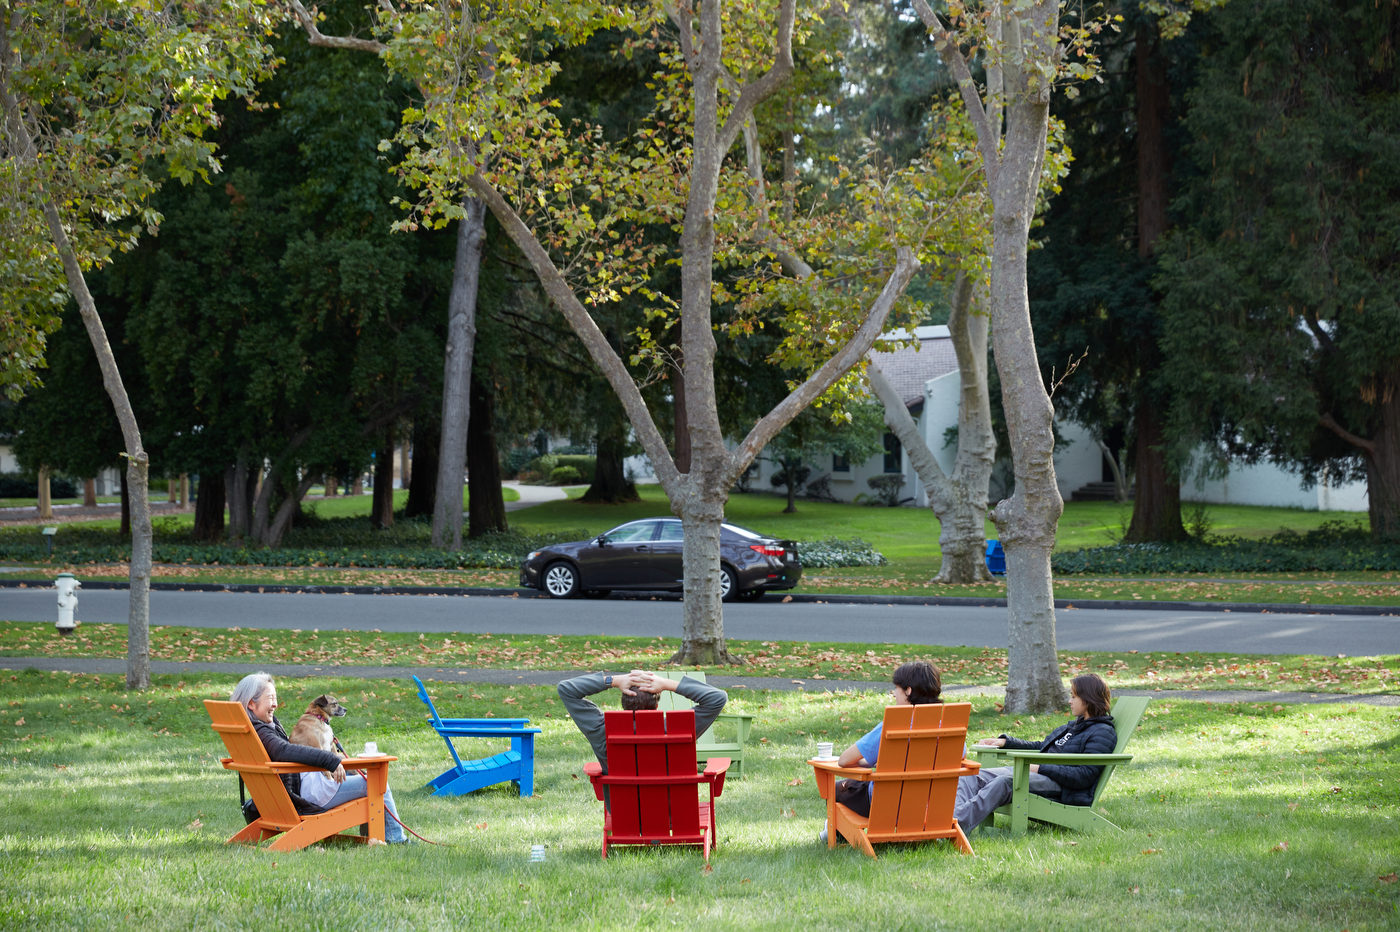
column 1091, row 731
column 258, row 695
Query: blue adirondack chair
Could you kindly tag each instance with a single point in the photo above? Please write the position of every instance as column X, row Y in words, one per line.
column 516, row 765
column 996, row 558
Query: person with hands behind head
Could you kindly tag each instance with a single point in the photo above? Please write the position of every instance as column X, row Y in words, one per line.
column 258, row 695
column 640, row 691
column 1091, row 731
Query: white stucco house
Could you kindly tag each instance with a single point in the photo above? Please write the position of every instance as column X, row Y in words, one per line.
column 927, row 379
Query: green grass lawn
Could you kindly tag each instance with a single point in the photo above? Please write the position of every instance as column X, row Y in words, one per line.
column 1249, row 817
column 811, row 661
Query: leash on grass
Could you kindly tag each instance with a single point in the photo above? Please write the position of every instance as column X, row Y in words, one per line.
column 440, row 844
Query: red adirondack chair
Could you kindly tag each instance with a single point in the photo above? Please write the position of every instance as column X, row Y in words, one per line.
column 652, row 783
column 276, row 814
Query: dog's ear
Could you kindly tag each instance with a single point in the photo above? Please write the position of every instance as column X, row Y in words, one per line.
column 321, row 701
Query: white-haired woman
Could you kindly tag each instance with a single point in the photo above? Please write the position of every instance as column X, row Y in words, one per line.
column 258, row 694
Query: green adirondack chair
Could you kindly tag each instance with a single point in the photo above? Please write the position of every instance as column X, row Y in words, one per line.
column 709, row 745
column 1024, row 806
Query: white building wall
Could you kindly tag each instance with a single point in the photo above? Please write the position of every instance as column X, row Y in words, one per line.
column 1267, row 484
column 1078, row 462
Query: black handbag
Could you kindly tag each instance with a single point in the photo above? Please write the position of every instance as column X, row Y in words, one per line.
column 250, row 808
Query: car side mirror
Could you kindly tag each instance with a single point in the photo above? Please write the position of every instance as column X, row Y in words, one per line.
column 601, row 540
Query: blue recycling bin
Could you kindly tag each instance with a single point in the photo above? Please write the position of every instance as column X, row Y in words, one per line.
column 996, row 558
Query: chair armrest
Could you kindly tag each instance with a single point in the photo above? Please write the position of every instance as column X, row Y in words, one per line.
column 364, row 763
column 735, row 716
column 715, row 769
column 459, row 732
column 487, row 722
column 855, row 773
column 971, row 766
column 594, row 770
column 1047, row 757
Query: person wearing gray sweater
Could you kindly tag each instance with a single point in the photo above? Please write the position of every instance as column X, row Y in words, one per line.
column 640, row 690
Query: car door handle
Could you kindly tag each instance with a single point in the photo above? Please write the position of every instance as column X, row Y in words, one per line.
column 641, row 549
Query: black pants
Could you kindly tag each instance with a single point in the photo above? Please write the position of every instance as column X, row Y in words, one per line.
column 854, row 795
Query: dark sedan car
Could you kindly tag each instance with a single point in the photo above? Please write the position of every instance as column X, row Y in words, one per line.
column 647, row 555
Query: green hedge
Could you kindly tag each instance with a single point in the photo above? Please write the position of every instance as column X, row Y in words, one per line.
column 542, row 466
column 1335, row 547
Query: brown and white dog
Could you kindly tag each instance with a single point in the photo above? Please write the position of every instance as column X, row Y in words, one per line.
column 313, row 729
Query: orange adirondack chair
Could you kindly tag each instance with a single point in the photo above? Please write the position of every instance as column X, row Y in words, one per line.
column 653, row 786
column 276, row 814
column 916, row 780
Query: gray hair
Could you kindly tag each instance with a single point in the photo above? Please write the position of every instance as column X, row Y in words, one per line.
column 251, row 688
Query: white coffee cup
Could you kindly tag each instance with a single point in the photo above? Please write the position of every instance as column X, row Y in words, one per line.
column 371, row 749
column 537, row 852
column 824, row 749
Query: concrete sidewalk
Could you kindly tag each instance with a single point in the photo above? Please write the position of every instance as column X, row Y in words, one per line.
column 554, row 677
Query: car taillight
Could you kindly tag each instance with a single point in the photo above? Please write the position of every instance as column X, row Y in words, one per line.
column 767, row 550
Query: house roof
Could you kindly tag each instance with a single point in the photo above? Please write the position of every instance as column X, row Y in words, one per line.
column 908, row 369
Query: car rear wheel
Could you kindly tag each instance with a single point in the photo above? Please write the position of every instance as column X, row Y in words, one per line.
column 561, row 581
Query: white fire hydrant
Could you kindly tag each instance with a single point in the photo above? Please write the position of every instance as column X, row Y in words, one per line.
column 67, row 586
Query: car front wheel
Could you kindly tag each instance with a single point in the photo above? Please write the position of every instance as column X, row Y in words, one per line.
column 728, row 585
column 561, row 581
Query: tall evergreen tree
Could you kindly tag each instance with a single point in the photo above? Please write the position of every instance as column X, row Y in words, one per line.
column 1283, row 327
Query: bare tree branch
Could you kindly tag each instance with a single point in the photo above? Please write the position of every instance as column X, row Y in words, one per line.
column 947, row 44
column 1328, row 422
column 315, row 37
column 906, row 264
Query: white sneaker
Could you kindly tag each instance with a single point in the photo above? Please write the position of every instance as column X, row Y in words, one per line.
column 822, row 836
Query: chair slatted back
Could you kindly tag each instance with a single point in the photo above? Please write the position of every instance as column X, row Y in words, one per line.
column 231, row 721
column 1127, row 712
column 436, row 720
column 652, row 744
column 926, row 741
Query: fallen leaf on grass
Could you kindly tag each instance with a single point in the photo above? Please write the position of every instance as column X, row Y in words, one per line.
column 1281, row 846
column 787, row 598
column 789, row 813
column 1336, row 789
column 481, row 826
column 1292, row 805
column 196, row 825
column 1151, row 850
column 21, row 721
column 1388, row 878
column 746, row 880
column 1134, row 890
column 60, row 766
column 707, row 869
column 795, row 781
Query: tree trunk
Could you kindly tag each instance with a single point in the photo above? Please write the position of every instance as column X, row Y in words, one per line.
column 457, row 374
column 184, row 490
column 405, row 445
column 45, row 493
column 381, row 512
column 959, row 501
column 1026, row 522
column 238, row 485
column 1153, row 102
column 126, row 507
column 682, row 442
column 171, row 490
column 422, row 486
column 358, row 486
column 1383, row 462
column 610, row 485
column 703, row 638
column 281, row 522
column 89, row 493
column 1157, row 505
column 488, row 507
column 790, row 468
column 330, row 486
column 209, row 507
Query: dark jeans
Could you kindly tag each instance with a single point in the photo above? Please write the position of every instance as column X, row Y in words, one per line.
column 854, row 795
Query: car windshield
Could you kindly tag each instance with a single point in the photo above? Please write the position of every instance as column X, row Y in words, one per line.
column 745, row 532
column 637, row 530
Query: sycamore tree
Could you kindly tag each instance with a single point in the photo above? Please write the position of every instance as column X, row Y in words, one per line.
column 1029, row 49
column 94, row 92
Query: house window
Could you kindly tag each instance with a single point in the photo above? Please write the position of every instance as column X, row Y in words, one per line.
column 894, row 458
column 839, row 463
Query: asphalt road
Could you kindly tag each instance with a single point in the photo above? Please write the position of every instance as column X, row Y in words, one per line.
column 1077, row 629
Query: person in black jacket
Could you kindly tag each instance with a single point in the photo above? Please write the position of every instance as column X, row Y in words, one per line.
column 258, row 694
column 1091, row 731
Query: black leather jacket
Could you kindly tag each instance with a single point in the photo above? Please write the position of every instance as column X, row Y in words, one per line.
column 1077, row 736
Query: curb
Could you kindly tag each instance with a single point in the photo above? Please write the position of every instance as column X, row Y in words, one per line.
column 1263, row 608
